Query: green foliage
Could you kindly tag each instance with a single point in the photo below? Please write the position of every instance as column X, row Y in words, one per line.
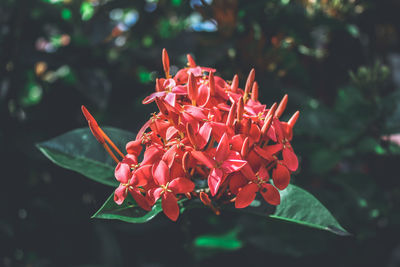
column 79, row 151
column 299, row 206
column 128, row 211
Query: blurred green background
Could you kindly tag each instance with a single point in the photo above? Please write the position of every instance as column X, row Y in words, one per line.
column 338, row 60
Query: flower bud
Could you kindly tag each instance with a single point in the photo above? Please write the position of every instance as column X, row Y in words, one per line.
column 282, row 106
column 249, row 84
column 231, row 115
column 165, row 61
column 235, row 83
column 191, row 62
column 254, row 92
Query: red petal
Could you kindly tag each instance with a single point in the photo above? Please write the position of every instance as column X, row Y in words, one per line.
column 222, row 149
column 248, row 172
column 161, row 172
column 120, row 194
column 268, row 151
column 170, row 206
column 204, row 135
column 171, row 133
column 236, row 181
column 263, row 173
column 134, row 147
column 290, row 159
column 123, row 172
column 154, row 194
column 204, row 95
column 181, row 185
column 214, row 180
column 170, row 99
column 276, row 124
column 196, row 112
column 152, row 155
column 246, row 196
column 233, row 163
column 180, row 90
column 140, row 199
column 270, row 194
column 153, row 96
column 203, row 158
column 143, row 175
column 169, row 156
column 237, row 142
column 255, row 133
column 281, row 176
column 272, row 134
column 218, row 129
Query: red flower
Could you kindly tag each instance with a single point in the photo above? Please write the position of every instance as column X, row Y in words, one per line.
column 224, row 162
column 206, row 128
column 130, row 181
column 258, row 182
column 168, row 188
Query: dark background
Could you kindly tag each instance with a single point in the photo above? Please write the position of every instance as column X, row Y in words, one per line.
column 339, row 61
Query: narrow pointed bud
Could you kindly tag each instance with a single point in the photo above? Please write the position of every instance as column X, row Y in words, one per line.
column 211, row 83
column 191, row 62
column 293, row 119
column 205, row 199
column 191, row 88
column 161, row 106
column 272, row 110
column 240, row 109
column 185, row 161
column 231, row 115
column 93, row 126
column 254, row 92
column 235, row 83
column 266, row 125
column 165, row 61
column 245, row 148
column 249, row 84
column 99, row 134
column 282, row 106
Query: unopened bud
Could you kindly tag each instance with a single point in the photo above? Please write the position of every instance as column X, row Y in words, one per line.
column 191, row 62
column 165, row 61
column 231, row 115
column 254, row 92
column 235, row 83
column 282, row 106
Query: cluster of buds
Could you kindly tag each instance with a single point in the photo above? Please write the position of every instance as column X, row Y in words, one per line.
column 207, row 132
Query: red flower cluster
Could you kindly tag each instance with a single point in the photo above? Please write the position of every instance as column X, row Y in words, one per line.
column 206, row 128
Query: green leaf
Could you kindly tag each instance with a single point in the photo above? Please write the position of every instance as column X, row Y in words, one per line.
column 299, row 206
column 128, row 211
column 79, row 151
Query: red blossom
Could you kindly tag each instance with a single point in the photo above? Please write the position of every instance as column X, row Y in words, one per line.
column 205, row 128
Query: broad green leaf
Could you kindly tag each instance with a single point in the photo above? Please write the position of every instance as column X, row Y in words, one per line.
column 128, row 211
column 299, row 206
column 79, row 151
